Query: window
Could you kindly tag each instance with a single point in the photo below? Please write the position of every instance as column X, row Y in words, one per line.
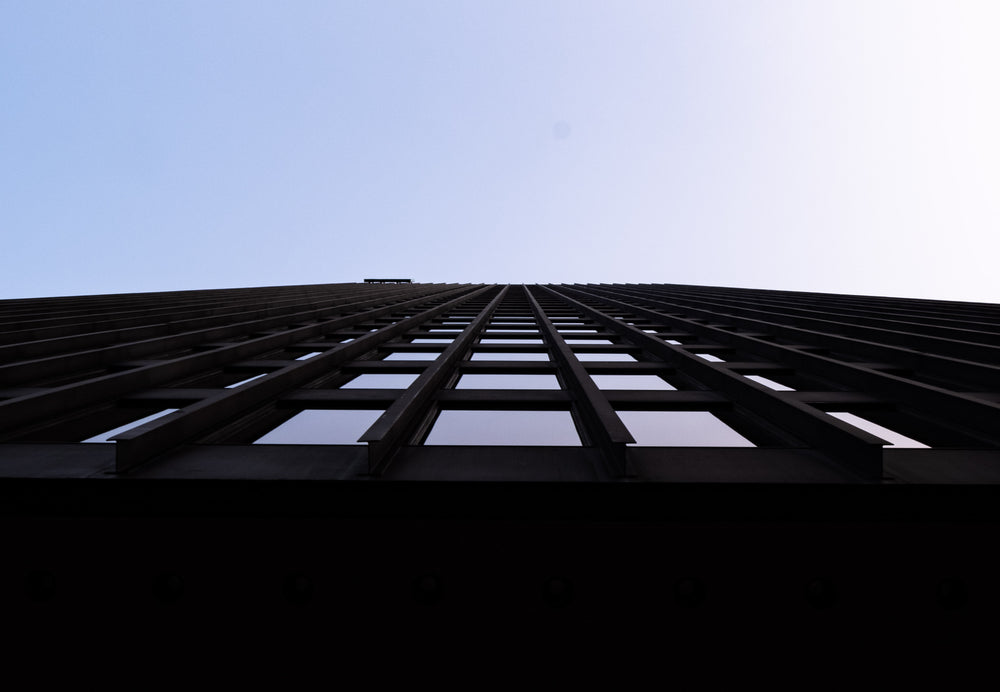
column 549, row 428
column 381, row 381
column 403, row 355
column 681, row 429
column 510, row 341
column 105, row 436
column 485, row 355
column 776, row 386
column 313, row 427
column 242, row 382
column 630, row 382
column 605, row 357
column 508, row 382
column 891, row 437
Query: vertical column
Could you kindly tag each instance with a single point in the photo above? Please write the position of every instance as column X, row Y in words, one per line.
column 602, row 424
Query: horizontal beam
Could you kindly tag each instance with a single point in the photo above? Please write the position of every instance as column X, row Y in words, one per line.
column 621, row 399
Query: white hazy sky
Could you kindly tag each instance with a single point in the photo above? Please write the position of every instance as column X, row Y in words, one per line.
column 846, row 146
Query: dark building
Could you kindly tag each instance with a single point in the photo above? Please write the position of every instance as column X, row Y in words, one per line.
column 586, row 455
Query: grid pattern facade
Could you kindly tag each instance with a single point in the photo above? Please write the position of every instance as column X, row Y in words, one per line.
column 181, row 385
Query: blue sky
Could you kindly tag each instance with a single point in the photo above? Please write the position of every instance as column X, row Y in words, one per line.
column 826, row 146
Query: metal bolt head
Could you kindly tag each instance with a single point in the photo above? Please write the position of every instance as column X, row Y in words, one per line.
column 297, row 588
column 689, row 592
column 427, row 589
column 39, row 585
column 557, row 592
column 168, row 587
column 952, row 594
column 821, row 594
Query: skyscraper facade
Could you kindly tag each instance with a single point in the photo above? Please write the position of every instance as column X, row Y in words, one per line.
column 572, row 382
column 801, row 431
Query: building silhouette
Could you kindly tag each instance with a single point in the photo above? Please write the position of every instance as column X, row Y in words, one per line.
column 608, row 452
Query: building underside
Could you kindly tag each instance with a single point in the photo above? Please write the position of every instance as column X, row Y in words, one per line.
column 600, row 419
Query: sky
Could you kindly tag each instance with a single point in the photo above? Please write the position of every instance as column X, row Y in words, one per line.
column 841, row 146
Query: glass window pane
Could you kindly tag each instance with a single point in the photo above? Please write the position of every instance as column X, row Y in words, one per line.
column 242, row 382
column 381, row 381
column 630, row 382
column 776, row 386
column 322, row 428
column 105, row 436
column 605, row 357
column 509, row 356
column 508, row 382
column 510, row 341
column 681, row 429
column 891, row 437
column 504, row 428
column 403, row 355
